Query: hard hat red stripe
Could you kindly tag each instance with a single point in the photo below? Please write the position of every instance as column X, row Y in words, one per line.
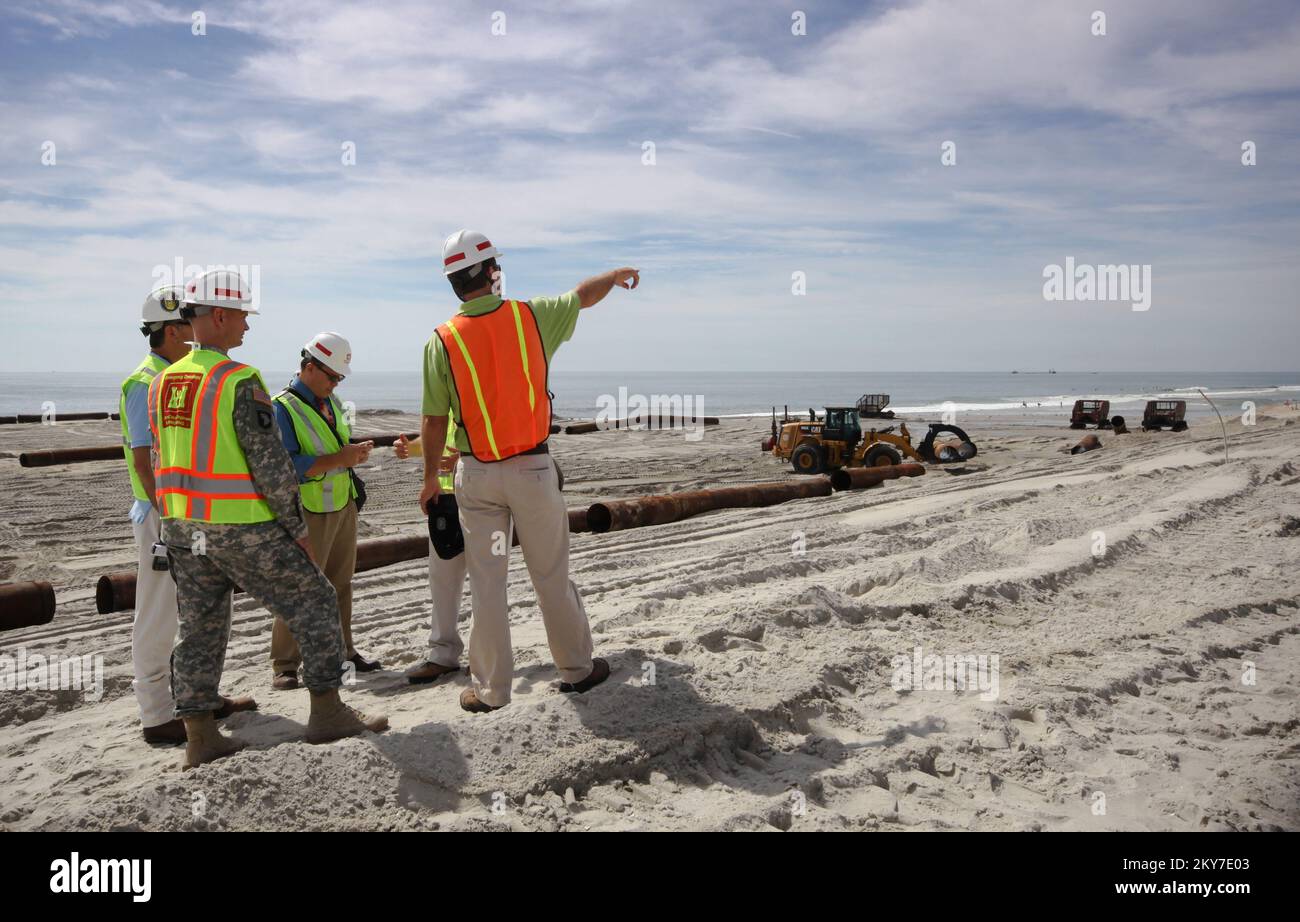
column 323, row 349
column 451, row 259
column 485, row 244
column 228, row 292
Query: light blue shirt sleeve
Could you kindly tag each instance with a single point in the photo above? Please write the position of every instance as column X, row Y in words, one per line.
column 301, row 462
column 137, row 415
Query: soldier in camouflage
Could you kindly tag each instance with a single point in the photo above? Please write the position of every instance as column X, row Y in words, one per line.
column 270, row 560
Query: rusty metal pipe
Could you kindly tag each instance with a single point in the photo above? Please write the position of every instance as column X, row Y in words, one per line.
column 25, row 605
column 111, row 452
column 384, row 439
column 578, row 520
column 58, row 417
column 617, row 515
column 382, row 552
column 69, row 455
column 116, row 591
column 660, row 421
column 860, row 478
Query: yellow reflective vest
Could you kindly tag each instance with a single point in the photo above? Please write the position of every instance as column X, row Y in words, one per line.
column 141, row 377
column 201, row 473
column 332, row 490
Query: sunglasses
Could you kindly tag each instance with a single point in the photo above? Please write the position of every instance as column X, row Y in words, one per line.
column 336, row 378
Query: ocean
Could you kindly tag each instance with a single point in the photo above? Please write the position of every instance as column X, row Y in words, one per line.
column 580, row 394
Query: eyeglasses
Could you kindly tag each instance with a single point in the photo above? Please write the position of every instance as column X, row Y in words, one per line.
column 336, row 378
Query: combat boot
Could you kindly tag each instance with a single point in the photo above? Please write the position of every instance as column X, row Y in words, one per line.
column 204, row 742
column 331, row 719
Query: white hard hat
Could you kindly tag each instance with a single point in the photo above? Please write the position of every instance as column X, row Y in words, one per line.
column 466, row 248
column 332, row 351
column 220, row 288
column 162, row 305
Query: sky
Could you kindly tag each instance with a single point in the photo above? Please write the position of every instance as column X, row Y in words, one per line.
column 131, row 144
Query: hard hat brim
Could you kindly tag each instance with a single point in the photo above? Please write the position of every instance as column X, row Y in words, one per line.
column 342, row 368
column 248, row 308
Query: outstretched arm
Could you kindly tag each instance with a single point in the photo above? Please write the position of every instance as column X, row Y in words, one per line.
column 593, row 290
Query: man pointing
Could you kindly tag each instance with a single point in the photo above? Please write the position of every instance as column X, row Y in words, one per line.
column 487, row 366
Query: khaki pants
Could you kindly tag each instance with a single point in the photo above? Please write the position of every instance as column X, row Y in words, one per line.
column 333, row 539
column 523, row 489
column 446, row 587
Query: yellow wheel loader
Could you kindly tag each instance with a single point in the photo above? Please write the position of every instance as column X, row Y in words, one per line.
column 817, row 446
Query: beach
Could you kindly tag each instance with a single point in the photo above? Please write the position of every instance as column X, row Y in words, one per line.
column 1135, row 610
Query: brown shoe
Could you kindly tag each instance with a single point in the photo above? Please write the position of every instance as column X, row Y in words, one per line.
column 233, row 706
column 599, row 673
column 364, row 665
column 469, row 701
column 426, row 672
column 171, row 732
column 285, row 680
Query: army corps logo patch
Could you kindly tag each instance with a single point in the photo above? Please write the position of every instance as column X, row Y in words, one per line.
column 178, row 393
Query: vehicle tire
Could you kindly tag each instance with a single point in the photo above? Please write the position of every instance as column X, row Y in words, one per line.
column 1179, row 426
column 807, row 460
column 881, row 456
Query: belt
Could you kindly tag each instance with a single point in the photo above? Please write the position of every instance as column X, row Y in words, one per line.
column 541, row 449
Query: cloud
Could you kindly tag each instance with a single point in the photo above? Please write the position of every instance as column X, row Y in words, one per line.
column 774, row 153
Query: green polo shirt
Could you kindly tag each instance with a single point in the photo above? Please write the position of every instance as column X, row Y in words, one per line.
column 556, row 318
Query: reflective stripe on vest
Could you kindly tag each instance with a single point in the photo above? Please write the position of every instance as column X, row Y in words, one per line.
column 201, row 471
column 332, row 490
column 142, row 377
column 448, row 481
column 496, row 356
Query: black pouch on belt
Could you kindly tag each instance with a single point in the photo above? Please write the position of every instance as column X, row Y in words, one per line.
column 360, row 486
column 444, row 527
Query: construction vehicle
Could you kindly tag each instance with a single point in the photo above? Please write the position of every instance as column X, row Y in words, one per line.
column 1161, row 413
column 1094, row 412
column 837, row 440
column 872, row 406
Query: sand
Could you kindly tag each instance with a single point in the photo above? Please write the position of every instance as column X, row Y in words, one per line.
column 755, row 652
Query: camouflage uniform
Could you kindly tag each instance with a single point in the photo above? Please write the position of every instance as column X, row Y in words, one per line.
column 261, row 559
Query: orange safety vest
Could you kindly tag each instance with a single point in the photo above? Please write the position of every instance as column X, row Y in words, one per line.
column 498, row 367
